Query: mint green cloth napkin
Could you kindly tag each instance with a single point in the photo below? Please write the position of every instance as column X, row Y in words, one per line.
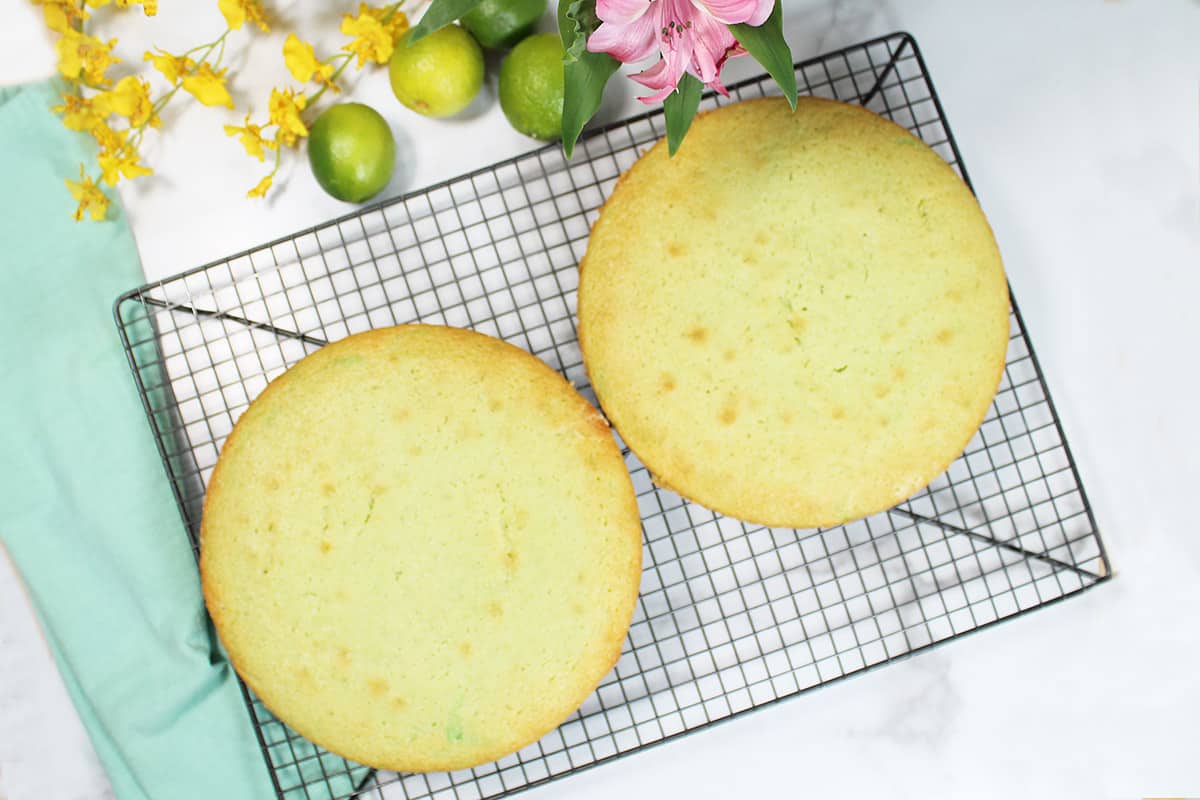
column 85, row 508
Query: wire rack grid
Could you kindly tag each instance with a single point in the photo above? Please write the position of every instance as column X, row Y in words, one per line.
column 731, row 616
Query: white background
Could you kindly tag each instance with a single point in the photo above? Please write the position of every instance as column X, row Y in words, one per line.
column 1078, row 120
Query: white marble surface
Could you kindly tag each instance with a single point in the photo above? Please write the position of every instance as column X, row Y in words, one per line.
column 1078, row 120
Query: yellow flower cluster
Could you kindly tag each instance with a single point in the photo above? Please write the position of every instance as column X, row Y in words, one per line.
column 118, row 115
column 85, row 58
column 64, row 15
column 238, row 12
column 374, row 33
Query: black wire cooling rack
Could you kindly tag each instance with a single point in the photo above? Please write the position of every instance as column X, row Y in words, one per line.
column 731, row 616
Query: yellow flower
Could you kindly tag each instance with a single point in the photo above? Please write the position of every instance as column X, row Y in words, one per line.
column 260, row 189
column 208, row 87
column 373, row 41
column 78, row 113
column 86, row 58
column 396, row 24
column 285, row 112
column 90, row 198
column 171, row 67
column 116, row 157
column 109, row 140
column 237, row 12
column 302, row 62
column 130, row 98
column 123, row 163
column 61, row 15
column 149, row 7
column 251, row 138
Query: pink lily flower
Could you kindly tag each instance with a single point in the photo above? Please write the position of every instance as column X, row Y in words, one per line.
column 692, row 36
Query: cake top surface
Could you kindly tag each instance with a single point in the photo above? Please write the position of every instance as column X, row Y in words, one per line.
column 800, row 318
column 421, row 548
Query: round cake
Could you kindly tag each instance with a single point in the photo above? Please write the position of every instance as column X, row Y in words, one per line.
column 798, row 320
column 421, row 548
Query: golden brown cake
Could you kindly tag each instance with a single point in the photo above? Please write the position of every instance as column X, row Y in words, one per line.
column 799, row 319
column 421, row 548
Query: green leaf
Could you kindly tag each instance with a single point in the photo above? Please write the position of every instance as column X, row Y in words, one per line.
column 576, row 22
column 583, row 87
column 440, row 14
column 585, row 74
column 679, row 108
column 767, row 45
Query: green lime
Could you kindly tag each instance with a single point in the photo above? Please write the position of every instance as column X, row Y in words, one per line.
column 531, row 86
column 499, row 24
column 351, row 151
column 439, row 75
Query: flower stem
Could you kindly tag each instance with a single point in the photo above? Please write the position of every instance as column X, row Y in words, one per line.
column 220, row 52
column 348, row 57
column 341, row 68
column 208, row 46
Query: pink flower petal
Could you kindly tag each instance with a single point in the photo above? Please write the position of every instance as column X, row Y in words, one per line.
column 761, row 12
column 655, row 77
column 657, row 97
column 713, row 36
column 629, row 42
column 621, row 12
column 712, row 41
column 706, row 65
column 663, row 77
column 733, row 11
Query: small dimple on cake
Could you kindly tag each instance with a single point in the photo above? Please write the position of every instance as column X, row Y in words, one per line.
column 697, row 333
column 728, row 414
column 667, row 382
